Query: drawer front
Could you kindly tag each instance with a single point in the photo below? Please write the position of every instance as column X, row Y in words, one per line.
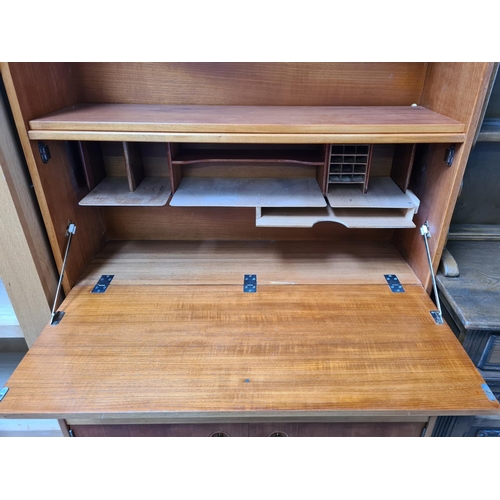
column 309, row 429
column 161, row 430
column 338, row 429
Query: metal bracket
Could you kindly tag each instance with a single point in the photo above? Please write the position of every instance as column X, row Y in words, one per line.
column 3, row 392
column 56, row 317
column 449, row 156
column 394, row 284
column 102, row 285
column 250, row 283
column 437, row 315
column 488, row 392
column 44, row 151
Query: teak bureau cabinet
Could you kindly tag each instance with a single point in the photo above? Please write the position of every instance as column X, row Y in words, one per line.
column 255, row 218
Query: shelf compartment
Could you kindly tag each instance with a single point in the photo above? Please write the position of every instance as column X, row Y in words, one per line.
column 350, row 164
column 383, row 193
column 114, row 191
column 351, row 218
column 257, row 156
column 219, row 192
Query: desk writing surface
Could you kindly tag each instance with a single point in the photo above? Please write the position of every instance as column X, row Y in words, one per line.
column 328, row 350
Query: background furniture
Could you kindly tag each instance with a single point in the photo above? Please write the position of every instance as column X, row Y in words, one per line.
column 471, row 299
column 252, row 236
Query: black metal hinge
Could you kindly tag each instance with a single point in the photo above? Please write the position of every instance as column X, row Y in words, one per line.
column 250, row 283
column 44, row 152
column 394, row 284
column 449, row 156
column 102, row 285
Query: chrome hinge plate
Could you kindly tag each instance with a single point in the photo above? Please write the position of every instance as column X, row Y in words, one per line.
column 394, row 284
column 102, row 285
column 3, row 392
column 250, row 283
column 488, row 392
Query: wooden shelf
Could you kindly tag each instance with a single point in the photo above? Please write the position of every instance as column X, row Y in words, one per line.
column 237, row 192
column 370, row 124
column 382, row 193
column 191, row 157
column 353, row 218
column 490, row 130
column 114, row 191
column 383, row 206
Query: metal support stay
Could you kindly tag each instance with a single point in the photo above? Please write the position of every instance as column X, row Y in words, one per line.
column 57, row 316
column 437, row 315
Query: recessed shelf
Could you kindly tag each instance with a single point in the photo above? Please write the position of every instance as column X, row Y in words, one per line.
column 220, row 156
column 352, row 218
column 226, row 192
column 383, row 193
column 114, row 191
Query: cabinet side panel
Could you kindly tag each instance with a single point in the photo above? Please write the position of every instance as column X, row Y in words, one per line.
column 456, row 90
column 34, row 89
column 257, row 84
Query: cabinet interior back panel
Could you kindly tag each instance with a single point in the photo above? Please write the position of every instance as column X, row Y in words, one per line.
column 252, row 84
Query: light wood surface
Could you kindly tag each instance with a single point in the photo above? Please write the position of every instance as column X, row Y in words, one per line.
column 358, row 218
column 26, row 263
column 225, row 263
column 220, row 192
column 247, row 119
column 382, row 193
column 319, row 350
column 114, row 191
column 251, row 84
column 251, row 138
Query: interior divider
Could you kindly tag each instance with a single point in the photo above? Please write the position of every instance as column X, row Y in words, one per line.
column 133, row 162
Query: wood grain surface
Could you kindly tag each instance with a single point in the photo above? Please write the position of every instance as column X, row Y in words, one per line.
column 251, row 138
column 251, row 84
column 343, row 429
column 114, row 191
column 283, row 351
column 225, row 263
column 259, row 192
column 383, row 193
column 247, row 119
